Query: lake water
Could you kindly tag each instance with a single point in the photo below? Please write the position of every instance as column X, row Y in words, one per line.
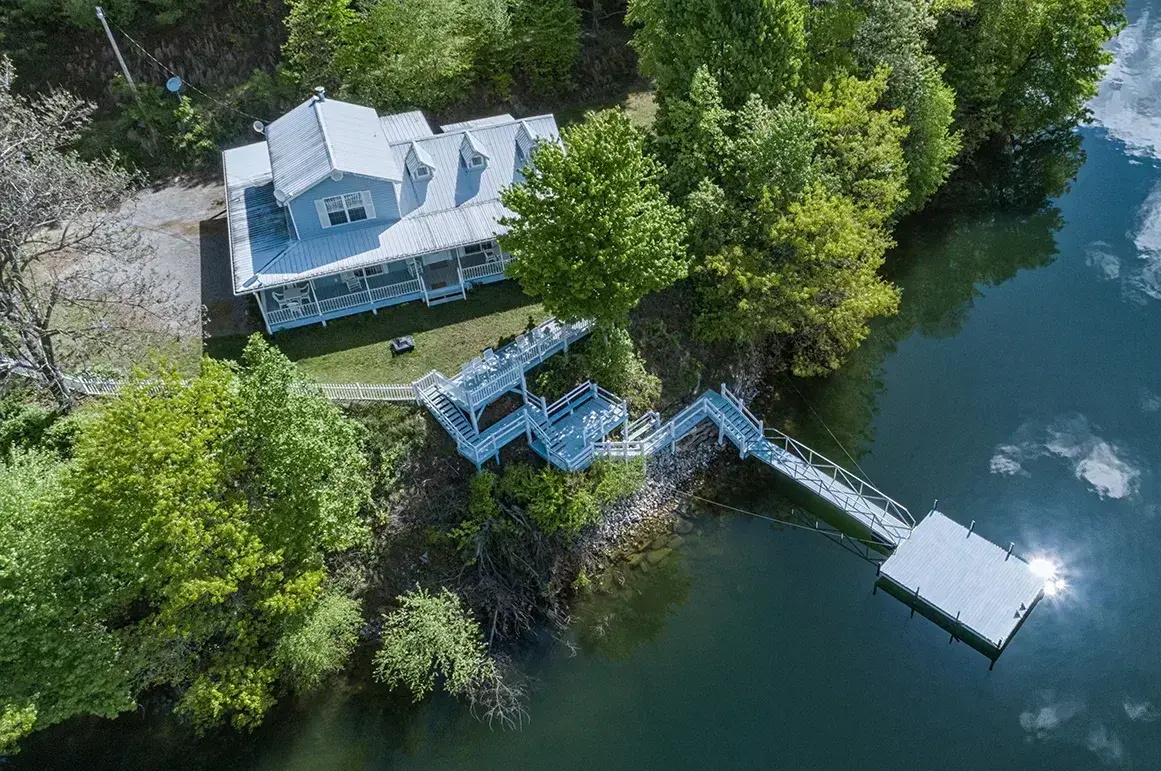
column 1021, row 386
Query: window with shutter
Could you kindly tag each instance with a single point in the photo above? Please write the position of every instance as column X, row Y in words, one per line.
column 343, row 209
column 336, row 213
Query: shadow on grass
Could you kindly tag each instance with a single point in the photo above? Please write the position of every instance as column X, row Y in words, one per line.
column 358, row 345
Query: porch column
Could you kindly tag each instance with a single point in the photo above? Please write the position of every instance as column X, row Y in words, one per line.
column 419, row 277
column 262, row 307
column 460, row 272
column 314, row 299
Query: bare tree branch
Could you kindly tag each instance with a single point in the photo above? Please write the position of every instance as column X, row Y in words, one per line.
column 78, row 283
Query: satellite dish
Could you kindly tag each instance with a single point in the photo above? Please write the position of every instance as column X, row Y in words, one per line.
column 173, row 85
column 258, row 127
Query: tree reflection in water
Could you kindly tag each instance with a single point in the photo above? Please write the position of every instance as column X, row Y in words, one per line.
column 614, row 621
column 1003, row 221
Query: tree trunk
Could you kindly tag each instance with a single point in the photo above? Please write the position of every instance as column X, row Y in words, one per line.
column 43, row 359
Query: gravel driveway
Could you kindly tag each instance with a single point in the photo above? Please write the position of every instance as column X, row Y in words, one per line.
column 186, row 223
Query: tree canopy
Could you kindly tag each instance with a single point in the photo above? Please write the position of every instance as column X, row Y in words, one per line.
column 1024, row 67
column 180, row 545
column 593, row 232
column 788, row 207
column 750, row 46
column 430, row 53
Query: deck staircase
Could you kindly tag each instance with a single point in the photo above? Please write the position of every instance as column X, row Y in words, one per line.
column 448, row 413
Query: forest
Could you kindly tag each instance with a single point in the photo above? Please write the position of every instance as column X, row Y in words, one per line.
column 217, row 542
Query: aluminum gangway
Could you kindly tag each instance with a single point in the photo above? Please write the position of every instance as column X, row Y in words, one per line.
column 887, row 520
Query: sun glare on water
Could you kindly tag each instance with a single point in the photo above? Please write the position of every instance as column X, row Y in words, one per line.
column 1045, row 568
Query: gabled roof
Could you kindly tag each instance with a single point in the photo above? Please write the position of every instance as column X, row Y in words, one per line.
column 492, row 120
column 405, row 126
column 470, row 146
column 525, row 139
column 455, row 206
column 323, row 136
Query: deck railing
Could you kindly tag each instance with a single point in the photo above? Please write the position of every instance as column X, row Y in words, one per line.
column 487, row 269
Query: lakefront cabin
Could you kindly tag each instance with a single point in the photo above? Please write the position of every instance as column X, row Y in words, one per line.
column 341, row 211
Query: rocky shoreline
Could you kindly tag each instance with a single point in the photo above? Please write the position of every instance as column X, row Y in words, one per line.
column 646, row 527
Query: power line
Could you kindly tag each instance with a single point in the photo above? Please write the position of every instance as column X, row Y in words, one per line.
column 766, row 517
column 156, row 61
column 825, row 426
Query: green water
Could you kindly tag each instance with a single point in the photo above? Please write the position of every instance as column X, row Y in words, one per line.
column 1021, row 385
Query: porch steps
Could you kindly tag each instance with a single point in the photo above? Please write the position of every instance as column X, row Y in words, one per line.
column 451, row 298
column 446, row 412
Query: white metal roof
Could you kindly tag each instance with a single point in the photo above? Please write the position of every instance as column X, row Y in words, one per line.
column 257, row 224
column 322, row 136
column 963, row 574
column 493, row 120
column 403, row 126
column 456, row 206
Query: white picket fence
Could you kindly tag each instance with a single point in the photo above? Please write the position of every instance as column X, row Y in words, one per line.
column 530, row 348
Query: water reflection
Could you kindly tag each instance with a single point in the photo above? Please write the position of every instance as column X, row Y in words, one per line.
column 1142, row 279
column 1127, row 105
column 1103, row 465
column 1139, row 710
column 942, row 271
column 631, row 608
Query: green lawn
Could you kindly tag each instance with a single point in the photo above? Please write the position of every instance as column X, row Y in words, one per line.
column 639, row 105
column 357, row 349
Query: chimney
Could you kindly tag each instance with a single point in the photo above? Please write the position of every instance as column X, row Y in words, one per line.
column 320, row 93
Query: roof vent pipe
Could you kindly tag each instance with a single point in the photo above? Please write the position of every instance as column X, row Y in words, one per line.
column 320, row 93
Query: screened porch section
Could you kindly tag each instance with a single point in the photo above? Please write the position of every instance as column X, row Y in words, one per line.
column 433, row 278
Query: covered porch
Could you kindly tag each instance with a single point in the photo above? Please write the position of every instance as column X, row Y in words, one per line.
column 433, row 278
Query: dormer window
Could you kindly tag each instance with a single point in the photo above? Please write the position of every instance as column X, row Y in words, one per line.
column 344, row 209
column 525, row 143
column 472, row 152
column 419, row 163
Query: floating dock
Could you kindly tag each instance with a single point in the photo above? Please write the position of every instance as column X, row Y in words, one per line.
column 980, row 593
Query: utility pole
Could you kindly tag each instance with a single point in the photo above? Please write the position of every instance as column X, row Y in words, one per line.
column 116, row 50
column 152, row 146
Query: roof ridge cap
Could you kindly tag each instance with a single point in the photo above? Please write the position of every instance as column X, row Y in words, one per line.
column 322, row 124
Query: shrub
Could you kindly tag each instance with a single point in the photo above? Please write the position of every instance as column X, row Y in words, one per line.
column 429, row 637
column 323, row 643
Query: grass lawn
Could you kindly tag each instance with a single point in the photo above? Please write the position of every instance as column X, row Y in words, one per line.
column 640, row 105
column 357, row 349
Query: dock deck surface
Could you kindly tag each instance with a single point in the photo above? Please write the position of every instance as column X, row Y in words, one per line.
column 969, row 581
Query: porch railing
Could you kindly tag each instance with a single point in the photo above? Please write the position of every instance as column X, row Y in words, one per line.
column 493, row 268
column 342, row 302
column 392, row 291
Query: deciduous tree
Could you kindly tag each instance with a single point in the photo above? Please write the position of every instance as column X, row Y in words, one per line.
column 58, row 656
column 788, row 216
column 895, row 34
column 432, row 636
column 77, row 282
column 593, row 232
column 750, row 46
column 1021, row 68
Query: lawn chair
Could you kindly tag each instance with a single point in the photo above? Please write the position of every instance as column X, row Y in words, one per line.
column 352, row 279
